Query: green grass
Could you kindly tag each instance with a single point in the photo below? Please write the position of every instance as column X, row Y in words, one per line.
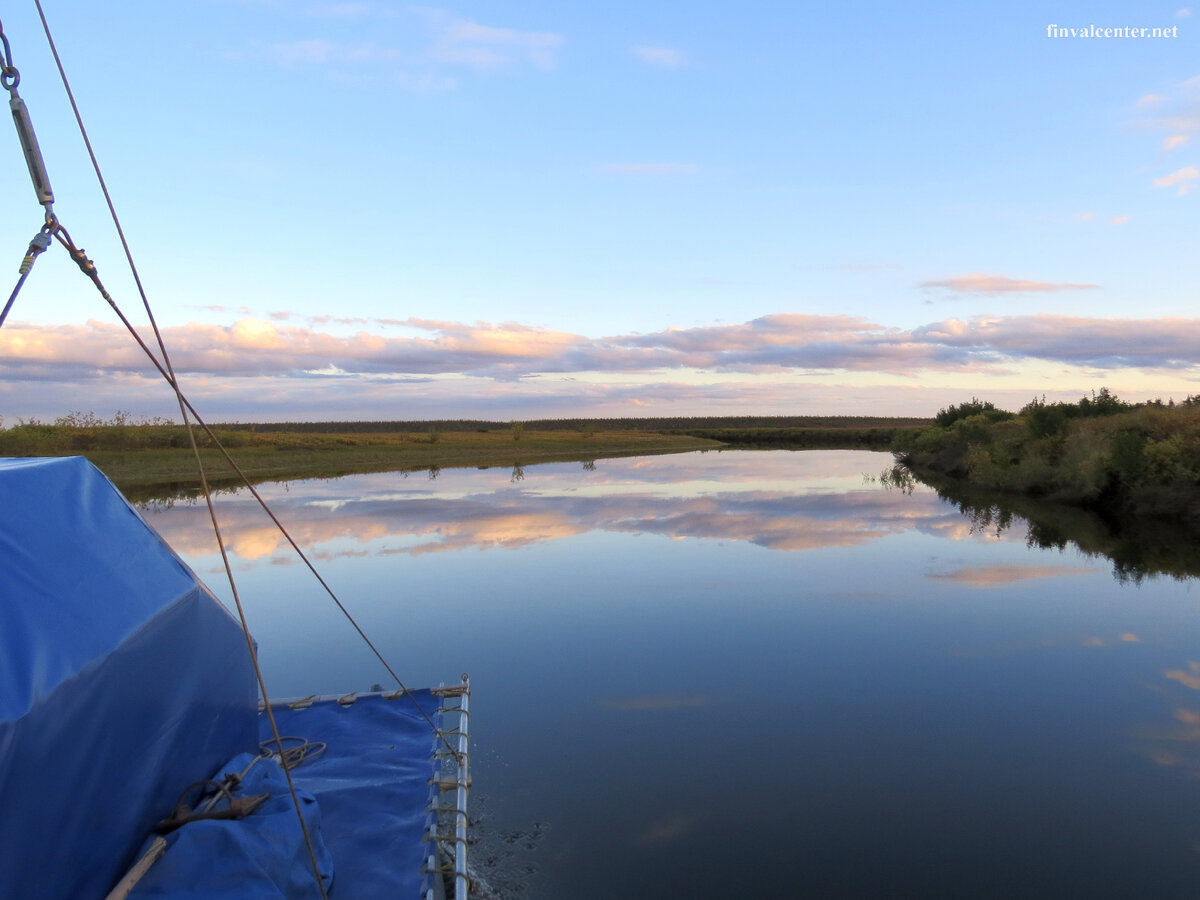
column 144, row 459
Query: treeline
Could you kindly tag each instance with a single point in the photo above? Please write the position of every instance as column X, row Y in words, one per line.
column 846, row 437
column 680, row 424
column 1099, row 452
column 86, row 432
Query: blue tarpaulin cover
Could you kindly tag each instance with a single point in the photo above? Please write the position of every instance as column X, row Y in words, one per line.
column 373, row 787
column 122, row 680
column 366, row 801
column 260, row 857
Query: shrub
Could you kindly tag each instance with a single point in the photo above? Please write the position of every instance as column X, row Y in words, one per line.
column 974, row 407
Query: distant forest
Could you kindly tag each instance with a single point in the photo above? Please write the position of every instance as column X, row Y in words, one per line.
column 681, row 424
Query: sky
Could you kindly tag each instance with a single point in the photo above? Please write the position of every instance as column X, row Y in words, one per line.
column 515, row 210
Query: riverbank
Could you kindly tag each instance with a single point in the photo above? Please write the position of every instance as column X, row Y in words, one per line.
column 145, row 460
column 1100, row 453
column 154, row 458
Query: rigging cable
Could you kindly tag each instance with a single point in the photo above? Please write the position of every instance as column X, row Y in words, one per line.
column 168, row 373
column 37, row 246
column 89, row 269
column 10, row 77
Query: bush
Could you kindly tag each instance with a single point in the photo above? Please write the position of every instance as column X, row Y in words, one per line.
column 975, row 407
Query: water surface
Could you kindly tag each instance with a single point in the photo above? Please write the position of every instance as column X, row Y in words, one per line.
column 750, row 673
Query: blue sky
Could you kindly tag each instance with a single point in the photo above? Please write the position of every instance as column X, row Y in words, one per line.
column 514, row 210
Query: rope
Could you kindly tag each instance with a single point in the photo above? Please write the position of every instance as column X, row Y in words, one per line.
column 295, row 754
column 9, row 78
column 89, row 269
column 168, row 373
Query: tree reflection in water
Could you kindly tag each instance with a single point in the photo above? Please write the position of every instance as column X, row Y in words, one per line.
column 1137, row 548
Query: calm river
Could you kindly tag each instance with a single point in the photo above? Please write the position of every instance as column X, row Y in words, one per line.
column 750, row 673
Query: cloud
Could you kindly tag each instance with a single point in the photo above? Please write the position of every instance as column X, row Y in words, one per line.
column 485, row 47
column 508, row 351
column 414, row 58
column 1153, row 343
column 663, row 57
column 1119, row 220
column 983, row 283
column 1000, row 576
column 385, row 519
column 1189, row 678
column 1085, row 216
column 650, row 169
column 416, row 368
column 1183, row 13
column 1180, row 178
column 1175, row 112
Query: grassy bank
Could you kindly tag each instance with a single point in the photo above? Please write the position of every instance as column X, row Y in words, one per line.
column 145, row 457
column 1101, row 453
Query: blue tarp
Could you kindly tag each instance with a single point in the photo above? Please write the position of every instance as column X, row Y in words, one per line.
column 260, row 857
column 366, row 800
column 122, row 680
column 373, row 787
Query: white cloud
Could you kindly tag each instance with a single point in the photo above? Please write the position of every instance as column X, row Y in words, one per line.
column 417, row 59
column 1119, row 220
column 1183, row 13
column 771, row 345
column 983, row 283
column 486, row 47
column 1179, row 178
column 1174, row 141
column 663, row 57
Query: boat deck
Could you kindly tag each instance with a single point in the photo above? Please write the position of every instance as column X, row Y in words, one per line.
column 392, row 794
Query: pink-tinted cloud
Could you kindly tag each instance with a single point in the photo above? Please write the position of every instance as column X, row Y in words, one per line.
column 1189, row 678
column 1147, row 343
column 778, row 343
column 984, row 283
column 410, row 517
column 1180, row 179
column 1000, row 576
